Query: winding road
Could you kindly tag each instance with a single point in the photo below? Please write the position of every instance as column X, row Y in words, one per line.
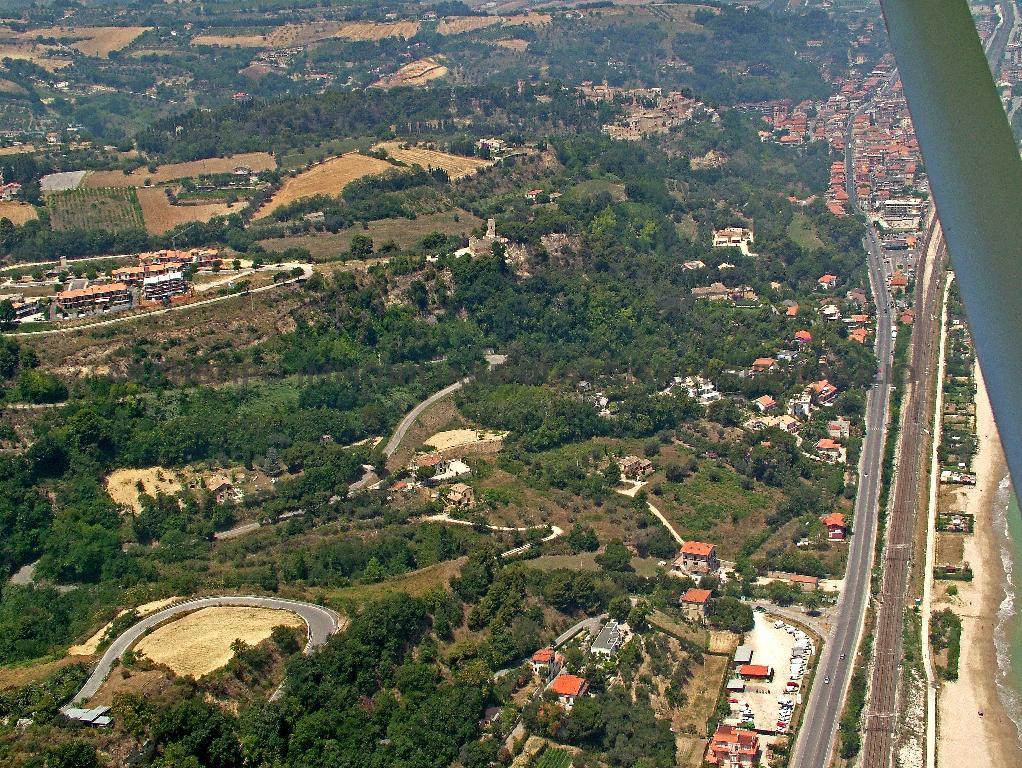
column 321, row 622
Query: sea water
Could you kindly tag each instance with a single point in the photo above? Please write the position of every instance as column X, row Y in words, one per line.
column 1007, row 522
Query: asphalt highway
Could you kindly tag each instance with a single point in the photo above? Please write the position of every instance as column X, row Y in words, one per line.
column 322, row 622
column 826, row 699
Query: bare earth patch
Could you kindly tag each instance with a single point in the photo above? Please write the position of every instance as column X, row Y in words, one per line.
column 122, row 486
column 459, row 438
column 256, row 161
column 17, row 213
column 326, row 178
column 416, row 73
column 160, row 216
column 515, row 44
column 200, row 642
column 456, row 166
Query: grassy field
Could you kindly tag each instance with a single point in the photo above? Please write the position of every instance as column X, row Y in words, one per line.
column 457, row 166
column 17, row 213
column 327, row 178
column 257, row 161
column 404, row 232
column 160, row 216
column 803, row 233
column 111, row 209
column 414, row 583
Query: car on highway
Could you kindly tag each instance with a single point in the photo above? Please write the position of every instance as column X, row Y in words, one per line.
column 826, row 680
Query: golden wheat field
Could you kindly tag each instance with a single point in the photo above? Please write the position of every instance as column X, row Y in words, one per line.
column 256, row 161
column 200, row 642
column 456, row 166
column 372, row 30
column 92, row 41
column 17, row 213
column 326, row 178
column 160, row 216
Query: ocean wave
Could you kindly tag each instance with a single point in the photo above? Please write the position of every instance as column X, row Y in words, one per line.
column 1010, row 696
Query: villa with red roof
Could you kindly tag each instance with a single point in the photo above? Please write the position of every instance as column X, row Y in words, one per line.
column 697, row 557
column 765, row 403
column 835, row 523
column 733, row 747
column 827, row 282
column 568, row 688
column 694, row 603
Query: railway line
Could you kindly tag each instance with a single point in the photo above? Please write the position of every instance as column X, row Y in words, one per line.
column 881, row 715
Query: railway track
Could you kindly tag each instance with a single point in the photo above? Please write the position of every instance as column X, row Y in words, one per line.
column 881, row 715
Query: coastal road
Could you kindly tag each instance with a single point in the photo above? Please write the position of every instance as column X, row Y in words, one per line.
column 321, row 622
column 881, row 715
column 823, row 709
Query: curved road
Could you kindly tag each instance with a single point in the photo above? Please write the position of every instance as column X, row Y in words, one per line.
column 322, row 622
column 412, row 415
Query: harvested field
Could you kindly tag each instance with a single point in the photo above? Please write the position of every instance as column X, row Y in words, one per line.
column 404, row 232
column 460, row 438
column 91, row 646
column 456, row 166
column 513, row 44
column 17, row 213
column 11, row 87
column 160, row 216
column 17, row 150
column 286, row 36
column 200, row 642
column 40, row 55
column 416, row 73
column 16, row 677
column 92, row 41
column 122, row 485
column 232, row 41
column 456, row 25
column 371, row 30
column 114, row 210
column 257, row 161
column 326, row 178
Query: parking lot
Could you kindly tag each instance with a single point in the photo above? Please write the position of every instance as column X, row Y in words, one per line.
column 769, row 704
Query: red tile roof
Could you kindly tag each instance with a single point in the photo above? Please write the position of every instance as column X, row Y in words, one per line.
column 754, row 670
column 695, row 595
column 569, row 685
column 543, row 656
column 833, row 519
column 698, row 548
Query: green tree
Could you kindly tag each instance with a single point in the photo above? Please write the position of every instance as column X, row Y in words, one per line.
column 615, row 557
column 6, row 313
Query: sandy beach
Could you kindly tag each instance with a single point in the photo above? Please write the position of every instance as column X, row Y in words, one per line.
column 963, row 737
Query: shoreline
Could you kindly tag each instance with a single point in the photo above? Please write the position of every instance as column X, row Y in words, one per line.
column 964, row 737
